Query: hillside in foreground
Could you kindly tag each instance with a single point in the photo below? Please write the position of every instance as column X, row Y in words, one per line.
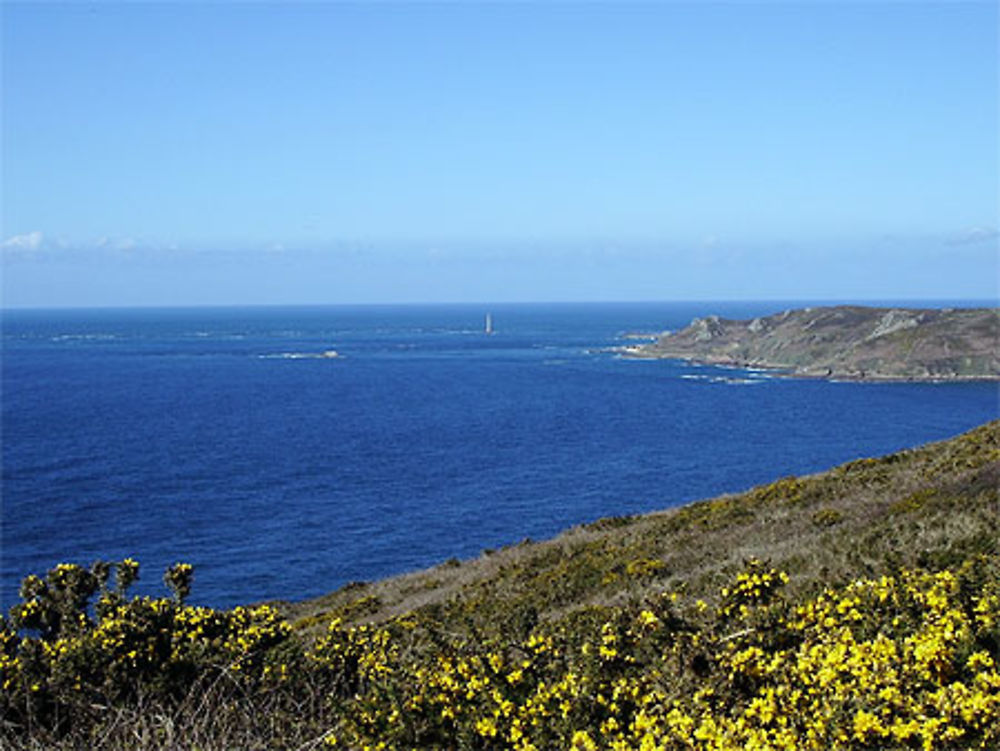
column 858, row 608
column 847, row 341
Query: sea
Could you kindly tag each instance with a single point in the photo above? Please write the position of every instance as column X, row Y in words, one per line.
column 232, row 439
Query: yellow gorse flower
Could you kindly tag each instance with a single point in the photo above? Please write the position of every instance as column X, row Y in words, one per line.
column 904, row 661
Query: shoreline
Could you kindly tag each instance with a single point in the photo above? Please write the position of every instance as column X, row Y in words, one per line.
column 641, row 352
column 852, row 343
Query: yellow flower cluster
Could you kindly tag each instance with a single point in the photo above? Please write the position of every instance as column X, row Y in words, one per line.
column 752, row 588
column 898, row 662
column 891, row 663
column 365, row 653
column 133, row 646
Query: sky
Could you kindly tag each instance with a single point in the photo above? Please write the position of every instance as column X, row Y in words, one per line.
column 255, row 153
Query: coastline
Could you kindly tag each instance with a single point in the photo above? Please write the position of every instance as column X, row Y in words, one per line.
column 642, row 352
column 852, row 343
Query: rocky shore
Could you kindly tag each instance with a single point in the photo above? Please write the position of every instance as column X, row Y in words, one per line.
column 845, row 343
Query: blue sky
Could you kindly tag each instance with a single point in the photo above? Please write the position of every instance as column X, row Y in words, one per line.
column 190, row 153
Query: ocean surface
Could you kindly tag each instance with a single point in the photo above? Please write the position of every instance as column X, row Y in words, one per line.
column 220, row 438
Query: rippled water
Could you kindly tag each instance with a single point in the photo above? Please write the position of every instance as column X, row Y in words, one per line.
column 222, row 437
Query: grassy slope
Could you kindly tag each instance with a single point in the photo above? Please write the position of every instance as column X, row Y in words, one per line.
column 929, row 507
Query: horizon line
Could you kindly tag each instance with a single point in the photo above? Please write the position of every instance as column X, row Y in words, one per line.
column 864, row 301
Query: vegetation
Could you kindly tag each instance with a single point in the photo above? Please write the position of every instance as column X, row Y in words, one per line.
column 859, row 608
column 847, row 341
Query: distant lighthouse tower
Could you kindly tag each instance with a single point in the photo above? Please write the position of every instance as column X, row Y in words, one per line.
column 489, row 324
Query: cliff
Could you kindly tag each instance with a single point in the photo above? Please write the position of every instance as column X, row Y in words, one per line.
column 849, row 342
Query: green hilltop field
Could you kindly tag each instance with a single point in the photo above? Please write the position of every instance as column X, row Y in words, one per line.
column 858, row 608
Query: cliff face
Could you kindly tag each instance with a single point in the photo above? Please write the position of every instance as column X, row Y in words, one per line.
column 847, row 342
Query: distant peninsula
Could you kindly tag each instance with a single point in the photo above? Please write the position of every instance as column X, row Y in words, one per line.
column 849, row 342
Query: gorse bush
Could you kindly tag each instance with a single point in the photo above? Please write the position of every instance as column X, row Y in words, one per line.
column 895, row 662
column 62, row 658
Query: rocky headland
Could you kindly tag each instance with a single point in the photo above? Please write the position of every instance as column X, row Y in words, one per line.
column 846, row 342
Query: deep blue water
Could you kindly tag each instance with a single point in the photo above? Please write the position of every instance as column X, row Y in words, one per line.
column 200, row 435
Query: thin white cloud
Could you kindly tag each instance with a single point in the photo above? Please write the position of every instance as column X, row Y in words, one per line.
column 974, row 235
column 29, row 241
column 36, row 244
column 106, row 242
